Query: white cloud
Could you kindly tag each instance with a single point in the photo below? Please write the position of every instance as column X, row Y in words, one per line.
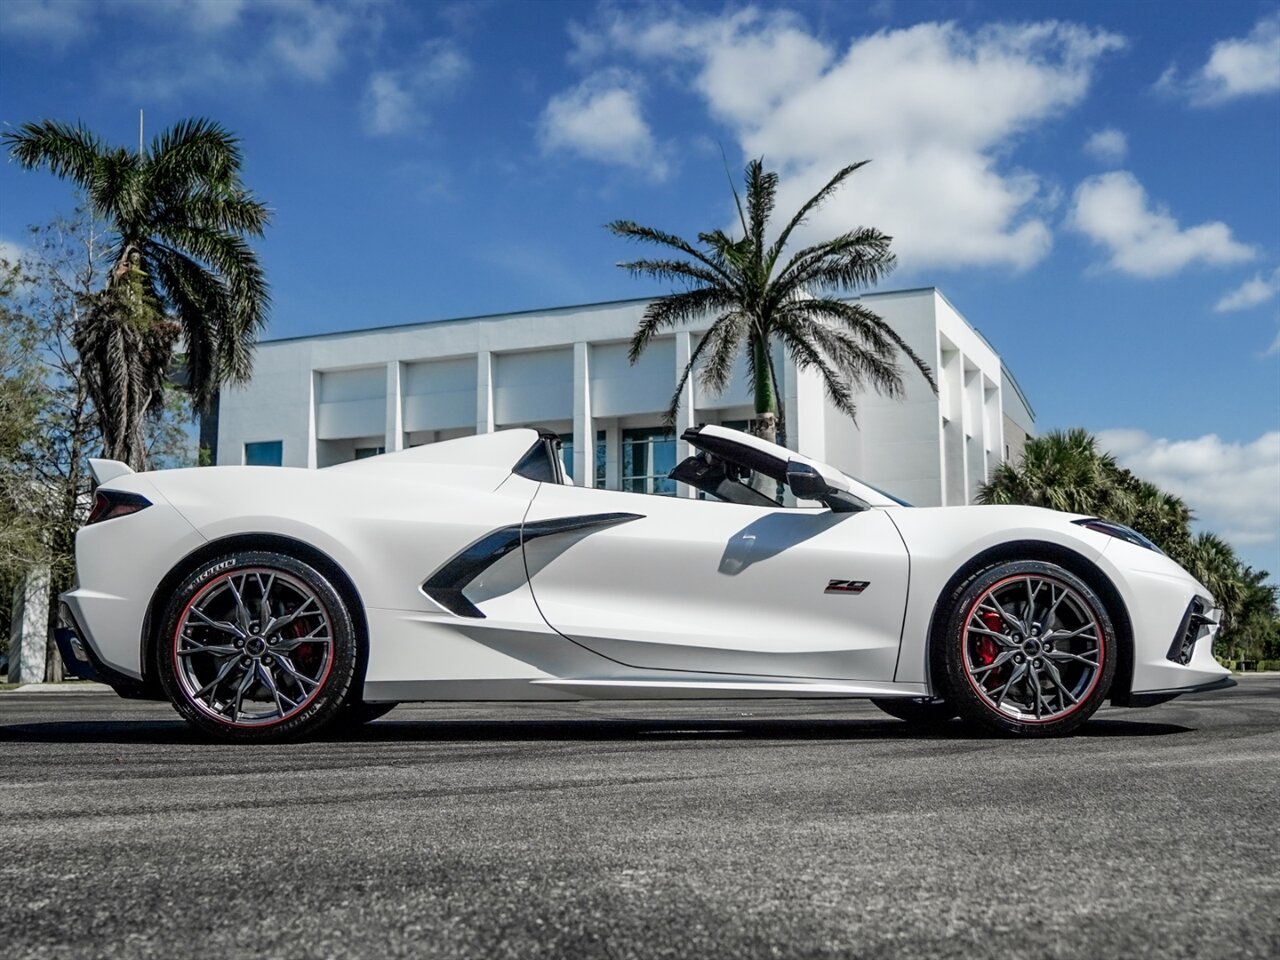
column 935, row 105
column 1252, row 292
column 1112, row 210
column 1233, row 488
column 1108, row 146
column 204, row 44
column 1274, row 349
column 12, row 252
column 56, row 22
column 395, row 100
column 1239, row 67
column 309, row 36
column 601, row 119
column 1247, row 65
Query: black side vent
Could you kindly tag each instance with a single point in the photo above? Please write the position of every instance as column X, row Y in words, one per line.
column 445, row 586
column 1196, row 624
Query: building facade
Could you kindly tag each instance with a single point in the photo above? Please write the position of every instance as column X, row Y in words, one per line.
column 325, row 399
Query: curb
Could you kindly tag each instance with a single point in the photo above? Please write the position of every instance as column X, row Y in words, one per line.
column 75, row 686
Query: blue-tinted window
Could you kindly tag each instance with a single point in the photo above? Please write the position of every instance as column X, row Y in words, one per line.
column 266, row 453
column 364, row 452
column 566, row 451
column 648, row 455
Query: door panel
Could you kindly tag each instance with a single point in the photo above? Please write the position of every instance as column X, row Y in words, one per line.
column 696, row 585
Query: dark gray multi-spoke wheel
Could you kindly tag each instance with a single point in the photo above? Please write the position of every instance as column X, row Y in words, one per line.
column 1028, row 650
column 259, row 646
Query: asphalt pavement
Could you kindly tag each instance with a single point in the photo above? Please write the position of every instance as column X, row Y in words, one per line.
column 734, row 829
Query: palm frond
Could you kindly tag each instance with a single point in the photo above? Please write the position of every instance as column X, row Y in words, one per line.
column 671, row 311
column 70, row 152
column 807, row 357
column 672, row 271
column 867, row 324
column 809, row 206
column 762, row 192
column 634, row 231
column 852, row 261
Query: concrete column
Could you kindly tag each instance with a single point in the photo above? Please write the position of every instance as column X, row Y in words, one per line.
column 484, row 392
column 312, row 384
column 613, row 456
column 584, row 433
column 395, row 408
column 685, row 414
column 29, row 629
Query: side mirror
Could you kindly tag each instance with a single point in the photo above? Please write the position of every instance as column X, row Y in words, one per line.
column 805, row 482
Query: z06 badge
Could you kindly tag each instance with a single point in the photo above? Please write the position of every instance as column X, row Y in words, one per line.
column 846, row 586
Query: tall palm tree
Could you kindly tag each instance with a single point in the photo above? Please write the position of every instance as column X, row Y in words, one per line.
column 179, row 218
column 758, row 300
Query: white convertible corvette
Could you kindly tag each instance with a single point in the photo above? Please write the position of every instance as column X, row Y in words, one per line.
column 266, row 603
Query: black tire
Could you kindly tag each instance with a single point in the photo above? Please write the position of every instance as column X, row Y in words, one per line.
column 918, row 711
column 1040, row 675
column 277, row 633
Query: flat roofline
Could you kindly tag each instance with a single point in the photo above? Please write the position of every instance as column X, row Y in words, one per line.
column 414, row 324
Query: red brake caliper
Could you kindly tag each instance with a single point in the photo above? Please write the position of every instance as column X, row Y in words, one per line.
column 985, row 650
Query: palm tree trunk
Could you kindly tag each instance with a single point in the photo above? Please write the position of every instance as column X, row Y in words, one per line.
column 766, row 401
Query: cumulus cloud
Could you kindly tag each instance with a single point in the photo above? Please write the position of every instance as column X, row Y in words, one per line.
column 1239, row 67
column 936, row 106
column 395, row 101
column 1113, row 210
column 55, row 22
column 1251, row 293
column 1233, row 488
column 602, row 119
column 1107, row 146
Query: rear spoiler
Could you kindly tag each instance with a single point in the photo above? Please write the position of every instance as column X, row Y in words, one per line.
column 104, row 471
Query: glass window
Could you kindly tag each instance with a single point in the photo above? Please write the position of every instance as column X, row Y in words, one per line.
column 648, row 455
column 566, row 450
column 363, row 452
column 265, row 453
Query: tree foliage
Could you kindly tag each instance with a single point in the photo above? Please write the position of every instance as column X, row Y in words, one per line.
column 180, row 266
column 758, row 300
column 48, row 425
column 1065, row 470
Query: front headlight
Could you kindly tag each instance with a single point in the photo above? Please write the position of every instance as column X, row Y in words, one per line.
column 1119, row 531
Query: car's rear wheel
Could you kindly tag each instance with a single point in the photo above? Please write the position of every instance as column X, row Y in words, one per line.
column 257, row 646
column 918, row 711
column 1028, row 650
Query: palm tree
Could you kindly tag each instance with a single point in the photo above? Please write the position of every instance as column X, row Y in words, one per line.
column 1061, row 471
column 758, row 301
column 183, row 270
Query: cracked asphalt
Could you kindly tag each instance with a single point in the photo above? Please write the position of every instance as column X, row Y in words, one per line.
column 728, row 829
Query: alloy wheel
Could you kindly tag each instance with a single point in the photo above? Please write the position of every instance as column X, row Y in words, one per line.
column 253, row 647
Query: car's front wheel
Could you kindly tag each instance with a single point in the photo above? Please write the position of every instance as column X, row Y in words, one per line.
column 1028, row 650
column 256, row 646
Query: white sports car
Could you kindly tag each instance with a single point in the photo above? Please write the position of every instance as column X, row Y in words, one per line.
column 267, row 603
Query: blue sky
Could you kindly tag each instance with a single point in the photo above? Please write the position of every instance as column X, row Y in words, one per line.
column 1095, row 185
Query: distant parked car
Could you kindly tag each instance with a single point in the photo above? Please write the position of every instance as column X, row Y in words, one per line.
column 268, row 602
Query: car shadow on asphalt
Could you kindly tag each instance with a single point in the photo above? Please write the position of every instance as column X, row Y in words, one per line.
column 497, row 731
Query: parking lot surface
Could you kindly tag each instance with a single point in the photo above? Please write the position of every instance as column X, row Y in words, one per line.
column 622, row 829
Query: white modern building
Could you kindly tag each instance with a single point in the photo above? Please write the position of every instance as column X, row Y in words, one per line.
column 319, row 400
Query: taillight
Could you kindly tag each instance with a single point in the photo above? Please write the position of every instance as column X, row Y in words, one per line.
column 109, row 504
